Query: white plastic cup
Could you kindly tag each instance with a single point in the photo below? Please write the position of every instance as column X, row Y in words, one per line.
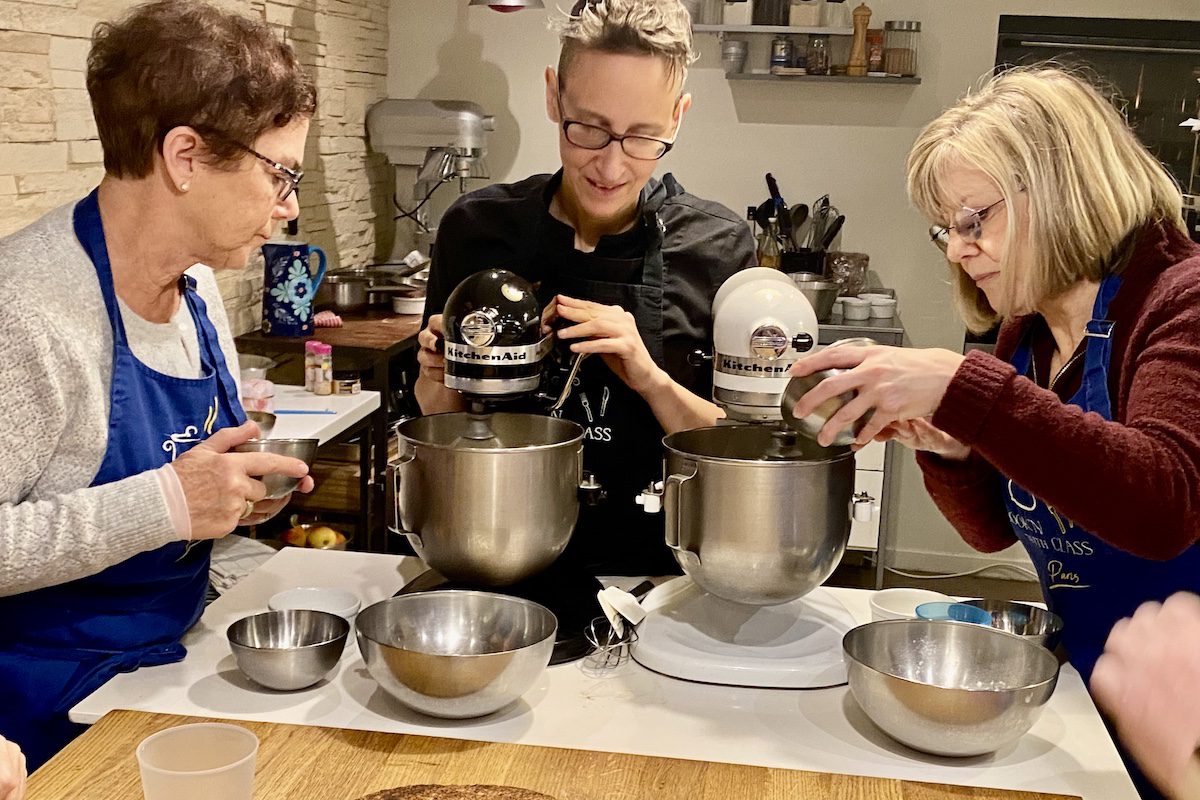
column 203, row 761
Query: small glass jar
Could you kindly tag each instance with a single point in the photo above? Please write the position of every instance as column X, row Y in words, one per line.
column 782, row 52
column 817, row 61
column 805, row 13
column 324, row 377
column 312, row 363
column 900, row 40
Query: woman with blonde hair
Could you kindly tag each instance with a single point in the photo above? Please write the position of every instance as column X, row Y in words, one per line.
column 1080, row 438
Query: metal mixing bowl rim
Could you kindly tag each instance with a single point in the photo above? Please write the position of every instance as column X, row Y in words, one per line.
column 841, row 453
column 457, row 592
column 990, row 631
column 1055, row 620
column 288, row 648
column 577, row 439
column 280, row 441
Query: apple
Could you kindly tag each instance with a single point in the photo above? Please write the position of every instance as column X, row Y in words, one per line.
column 296, row 537
column 322, row 537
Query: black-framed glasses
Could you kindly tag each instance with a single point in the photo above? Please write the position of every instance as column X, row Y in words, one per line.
column 968, row 222
column 593, row 137
column 286, row 179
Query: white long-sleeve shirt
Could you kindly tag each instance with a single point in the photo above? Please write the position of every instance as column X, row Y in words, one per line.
column 55, row 378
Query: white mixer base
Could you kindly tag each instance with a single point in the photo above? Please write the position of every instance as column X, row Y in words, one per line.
column 696, row 636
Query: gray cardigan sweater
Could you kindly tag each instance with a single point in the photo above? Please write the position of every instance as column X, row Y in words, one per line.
column 55, row 376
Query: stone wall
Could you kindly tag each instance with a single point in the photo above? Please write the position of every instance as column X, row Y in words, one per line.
column 49, row 154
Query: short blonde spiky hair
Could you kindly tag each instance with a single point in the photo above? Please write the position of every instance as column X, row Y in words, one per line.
column 660, row 28
column 1089, row 182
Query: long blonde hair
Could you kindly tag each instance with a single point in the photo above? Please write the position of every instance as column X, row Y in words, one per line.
column 1089, row 182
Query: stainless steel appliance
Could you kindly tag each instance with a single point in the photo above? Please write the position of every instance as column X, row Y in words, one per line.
column 443, row 139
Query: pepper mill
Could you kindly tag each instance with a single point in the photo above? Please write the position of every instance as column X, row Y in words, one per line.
column 857, row 65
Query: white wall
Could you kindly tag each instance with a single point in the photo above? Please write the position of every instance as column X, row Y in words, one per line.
column 849, row 140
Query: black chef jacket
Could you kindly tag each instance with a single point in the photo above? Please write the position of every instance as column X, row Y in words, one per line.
column 509, row 226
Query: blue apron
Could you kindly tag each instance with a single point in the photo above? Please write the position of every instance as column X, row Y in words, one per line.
column 61, row 643
column 1087, row 582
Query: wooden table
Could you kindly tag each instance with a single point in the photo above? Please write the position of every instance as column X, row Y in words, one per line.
column 308, row 763
column 368, row 343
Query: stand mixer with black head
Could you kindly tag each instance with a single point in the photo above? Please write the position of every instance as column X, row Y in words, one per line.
column 489, row 497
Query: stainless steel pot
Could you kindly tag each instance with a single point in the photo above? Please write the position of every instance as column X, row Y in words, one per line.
column 488, row 499
column 343, row 292
column 752, row 522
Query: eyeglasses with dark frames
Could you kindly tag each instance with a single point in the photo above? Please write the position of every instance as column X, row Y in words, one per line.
column 288, row 179
column 593, row 137
column 968, row 222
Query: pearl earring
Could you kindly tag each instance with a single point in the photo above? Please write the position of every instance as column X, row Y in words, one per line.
column 183, row 187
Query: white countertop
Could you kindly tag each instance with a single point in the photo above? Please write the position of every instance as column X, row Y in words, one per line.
column 628, row 710
column 346, row 410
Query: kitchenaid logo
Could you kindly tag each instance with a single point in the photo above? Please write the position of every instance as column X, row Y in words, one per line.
column 757, row 367
column 521, row 354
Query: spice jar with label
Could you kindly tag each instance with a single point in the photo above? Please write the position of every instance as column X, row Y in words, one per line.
column 875, row 52
column 323, row 383
column 817, row 61
column 312, row 364
column 782, row 52
column 900, row 39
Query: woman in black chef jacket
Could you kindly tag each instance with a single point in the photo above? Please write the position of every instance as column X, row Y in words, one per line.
column 631, row 264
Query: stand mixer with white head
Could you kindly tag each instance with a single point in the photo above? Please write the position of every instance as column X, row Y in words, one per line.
column 756, row 515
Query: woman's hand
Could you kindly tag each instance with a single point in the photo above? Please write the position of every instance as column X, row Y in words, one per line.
column 1146, row 680
column 897, row 384
column 920, row 434
column 12, row 771
column 612, row 332
column 218, row 484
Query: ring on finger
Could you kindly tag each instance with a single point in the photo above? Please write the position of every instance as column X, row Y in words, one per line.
column 248, row 510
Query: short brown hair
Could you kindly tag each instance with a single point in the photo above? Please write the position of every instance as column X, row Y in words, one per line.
column 184, row 62
column 659, row 28
column 1049, row 133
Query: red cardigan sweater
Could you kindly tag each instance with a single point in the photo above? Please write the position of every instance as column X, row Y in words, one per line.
column 1133, row 482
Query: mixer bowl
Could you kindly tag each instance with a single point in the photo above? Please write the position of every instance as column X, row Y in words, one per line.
column 751, row 523
column 488, row 511
column 948, row 688
column 456, row 654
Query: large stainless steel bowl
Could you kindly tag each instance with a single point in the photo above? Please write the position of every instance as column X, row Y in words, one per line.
column 754, row 521
column 288, row 650
column 279, row 485
column 456, row 654
column 948, row 688
column 488, row 500
column 1030, row 622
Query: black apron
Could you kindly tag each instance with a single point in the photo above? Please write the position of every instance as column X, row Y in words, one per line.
column 622, row 444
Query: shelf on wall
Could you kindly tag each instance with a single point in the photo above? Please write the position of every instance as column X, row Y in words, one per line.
column 758, row 76
column 772, row 29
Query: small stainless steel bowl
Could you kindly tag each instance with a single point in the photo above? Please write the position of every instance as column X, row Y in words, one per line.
column 265, row 421
column 1034, row 624
column 288, row 650
column 252, row 367
column 281, row 485
column 812, row 424
column 821, row 294
column 456, row 654
column 948, row 688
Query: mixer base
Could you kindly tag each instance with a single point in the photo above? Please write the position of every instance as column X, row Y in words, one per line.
column 695, row 636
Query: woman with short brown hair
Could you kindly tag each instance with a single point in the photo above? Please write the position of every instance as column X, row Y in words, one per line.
column 120, row 406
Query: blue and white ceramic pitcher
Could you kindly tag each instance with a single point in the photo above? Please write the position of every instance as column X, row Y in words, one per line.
column 289, row 288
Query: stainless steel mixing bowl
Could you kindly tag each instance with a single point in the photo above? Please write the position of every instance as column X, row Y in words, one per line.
column 488, row 499
column 821, row 294
column 456, row 654
column 1034, row 624
column 265, row 421
column 279, row 485
column 948, row 688
column 753, row 521
column 288, row 649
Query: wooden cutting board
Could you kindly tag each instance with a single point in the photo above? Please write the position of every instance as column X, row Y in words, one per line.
column 307, row 763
